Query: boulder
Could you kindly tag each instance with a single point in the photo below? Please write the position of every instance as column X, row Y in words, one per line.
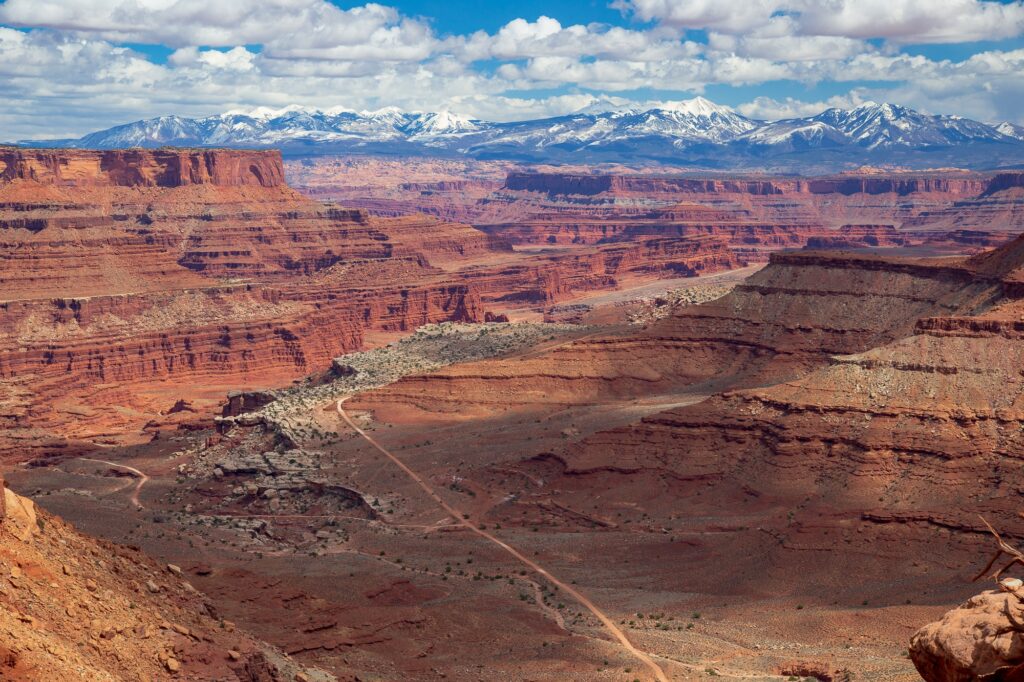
column 242, row 402
column 975, row 641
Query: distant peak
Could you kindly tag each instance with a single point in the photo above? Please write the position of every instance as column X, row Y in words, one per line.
column 269, row 113
column 886, row 109
column 382, row 112
column 698, row 106
column 266, row 112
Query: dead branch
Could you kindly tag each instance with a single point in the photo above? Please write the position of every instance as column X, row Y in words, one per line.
column 1016, row 556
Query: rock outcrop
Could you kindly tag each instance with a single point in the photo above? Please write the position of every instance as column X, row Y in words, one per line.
column 975, row 641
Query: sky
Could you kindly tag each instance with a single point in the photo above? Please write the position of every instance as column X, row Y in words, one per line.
column 68, row 67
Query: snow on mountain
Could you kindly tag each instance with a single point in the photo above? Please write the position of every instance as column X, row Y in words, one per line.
column 165, row 130
column 795, row 134
column 441, row 123
column 695, row 121
column 666, row 130
column 1011, row 130
column 888, row 125
column 872, row 126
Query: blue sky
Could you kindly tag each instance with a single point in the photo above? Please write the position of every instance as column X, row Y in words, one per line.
column 462, row 16
column 71, row 66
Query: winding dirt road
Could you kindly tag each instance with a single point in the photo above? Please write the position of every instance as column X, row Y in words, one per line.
column 609, row 625
column 143, row 478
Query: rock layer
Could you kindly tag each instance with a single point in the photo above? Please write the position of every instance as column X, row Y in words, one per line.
column 142, row 167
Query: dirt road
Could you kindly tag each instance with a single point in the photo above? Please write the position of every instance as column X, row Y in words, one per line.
column 459, row 518
column 143, row 478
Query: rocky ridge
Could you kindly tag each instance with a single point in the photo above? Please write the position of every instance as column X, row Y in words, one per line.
column 75, row 608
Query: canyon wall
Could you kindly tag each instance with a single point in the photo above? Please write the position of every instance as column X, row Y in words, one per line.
column 759, row 215
column 649, row 185
column 132, row 280
column 142, row 167
column 827, row 433
column 785, row 320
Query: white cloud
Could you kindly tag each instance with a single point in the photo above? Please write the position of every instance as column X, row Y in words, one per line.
column 546, row 37
column 313, row 29
column 235, row 59
column 901, row 21
column 769, row 109
column 778, row 39
column 913, row 21
column 732, row 17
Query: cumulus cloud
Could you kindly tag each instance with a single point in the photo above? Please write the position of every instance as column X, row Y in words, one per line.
column 769, row 109
column 546, row 37
column 732, row 17
column 901, row 21
column 778, row 39
column 313, row 29
column 911, row 21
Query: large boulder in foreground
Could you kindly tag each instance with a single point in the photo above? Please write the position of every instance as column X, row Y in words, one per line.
column 975, row 641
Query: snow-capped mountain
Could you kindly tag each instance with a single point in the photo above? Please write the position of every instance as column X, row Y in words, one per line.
column 269, row 127
column 874, row 126
column 695, row 131
column 442, row 123
column 888, row 125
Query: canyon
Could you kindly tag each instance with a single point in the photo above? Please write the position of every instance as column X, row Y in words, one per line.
column 414, row 418
column 129, row 274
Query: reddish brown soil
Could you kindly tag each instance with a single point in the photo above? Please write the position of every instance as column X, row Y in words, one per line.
column 76, row 608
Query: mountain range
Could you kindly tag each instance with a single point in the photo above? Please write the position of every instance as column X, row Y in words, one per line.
column 693, row 132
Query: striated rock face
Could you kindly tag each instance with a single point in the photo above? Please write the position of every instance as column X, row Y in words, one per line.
column 974, row 641
column 129, row 279
column 937, row 212
column 758, row 216
column 863, row 412
column 785, row 320
column 1004, row 181
column 143, row 167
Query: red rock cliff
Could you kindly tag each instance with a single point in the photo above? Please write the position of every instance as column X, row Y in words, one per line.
column 143, row 167
column 578, row 184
